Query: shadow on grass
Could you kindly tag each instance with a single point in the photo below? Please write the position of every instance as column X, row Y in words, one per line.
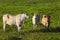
column 14, row 38
column 56, row 29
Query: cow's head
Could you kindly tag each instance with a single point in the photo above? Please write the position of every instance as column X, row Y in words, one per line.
column 25, row 15
column 46, row 16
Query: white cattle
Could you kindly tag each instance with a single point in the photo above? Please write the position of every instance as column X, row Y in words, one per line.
column 46, row 20
column 35, row 19
column 17, row 20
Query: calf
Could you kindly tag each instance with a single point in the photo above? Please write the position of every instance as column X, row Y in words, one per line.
column 46, row 21
column 17, row 20
column 35, row 19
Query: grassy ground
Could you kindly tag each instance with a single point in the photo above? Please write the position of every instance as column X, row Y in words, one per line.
column 51, row 7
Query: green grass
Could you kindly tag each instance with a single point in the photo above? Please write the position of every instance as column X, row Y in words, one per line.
column 50, row 7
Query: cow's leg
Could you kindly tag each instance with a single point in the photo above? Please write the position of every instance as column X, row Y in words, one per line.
column 19, row 27
column 46, row 25
column 33, row 26
column 4, row 25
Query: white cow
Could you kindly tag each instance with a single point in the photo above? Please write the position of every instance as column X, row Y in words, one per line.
column 36, row 19
column 17, row 20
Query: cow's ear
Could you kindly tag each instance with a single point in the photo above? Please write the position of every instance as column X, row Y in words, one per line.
column 49, row 16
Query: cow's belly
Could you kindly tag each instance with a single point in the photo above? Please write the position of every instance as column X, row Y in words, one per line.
column 11, row 22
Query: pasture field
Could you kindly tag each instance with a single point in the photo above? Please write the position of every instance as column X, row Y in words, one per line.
column 50, row 7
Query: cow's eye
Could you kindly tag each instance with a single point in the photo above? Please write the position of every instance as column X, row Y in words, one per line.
column 44, row 16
